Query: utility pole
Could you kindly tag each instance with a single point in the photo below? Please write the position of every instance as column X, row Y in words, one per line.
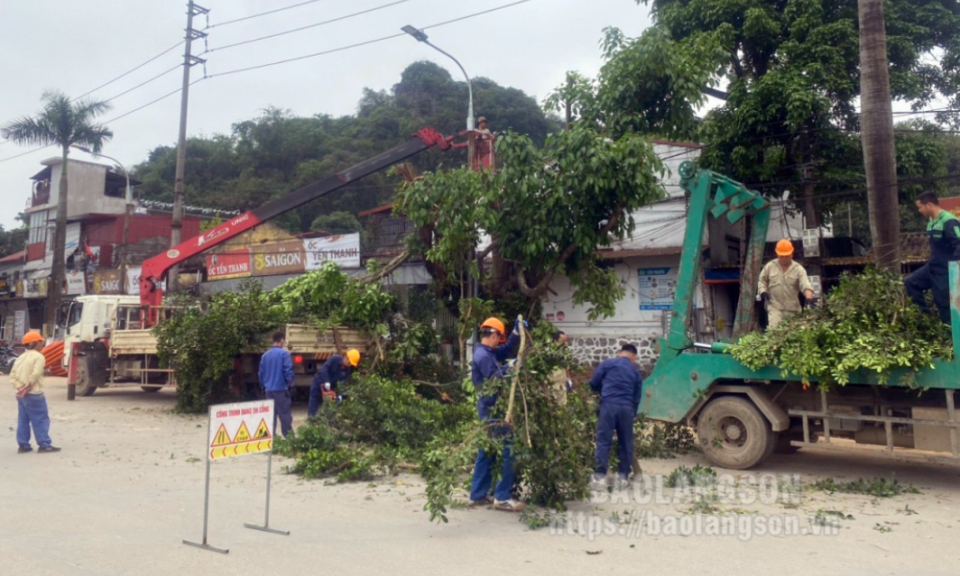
column 189, row 60
column 876, row 133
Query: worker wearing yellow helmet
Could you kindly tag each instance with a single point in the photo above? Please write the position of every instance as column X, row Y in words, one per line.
column 335, row 370
column 27, row 379
column 488, row 359
column 781, row 283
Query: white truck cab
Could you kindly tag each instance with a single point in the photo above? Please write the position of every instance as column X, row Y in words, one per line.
column 89, row 318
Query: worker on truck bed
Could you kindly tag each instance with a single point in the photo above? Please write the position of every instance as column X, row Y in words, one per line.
column 335, row 370
column 943, row 230
column 276, row 377
column 781, row 282
column 618, row 382
column 27, row 379
column 488, row 357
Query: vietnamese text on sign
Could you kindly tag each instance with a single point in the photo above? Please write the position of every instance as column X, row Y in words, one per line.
column 343, row 250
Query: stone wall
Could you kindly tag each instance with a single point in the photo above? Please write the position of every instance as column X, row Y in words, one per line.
column 592, row 350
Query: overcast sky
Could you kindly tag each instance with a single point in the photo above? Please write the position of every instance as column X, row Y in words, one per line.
column 76, row 45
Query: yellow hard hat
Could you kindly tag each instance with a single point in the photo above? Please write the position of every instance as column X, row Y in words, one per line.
column 354, row 357
column 495, row 324
column 31, row 337
column 784, row 248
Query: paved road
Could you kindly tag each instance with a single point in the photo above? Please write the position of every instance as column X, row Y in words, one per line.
column 128, row 487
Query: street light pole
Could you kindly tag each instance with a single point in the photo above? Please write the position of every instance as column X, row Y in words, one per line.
column 421, row 36
column 125, row 261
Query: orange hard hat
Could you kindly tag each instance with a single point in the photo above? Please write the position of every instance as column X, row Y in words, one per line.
column 354, row 357
column 784, row 248
column 495, row 324
column 31, row 337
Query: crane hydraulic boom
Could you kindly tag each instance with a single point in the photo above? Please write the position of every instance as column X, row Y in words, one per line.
column 154, row 269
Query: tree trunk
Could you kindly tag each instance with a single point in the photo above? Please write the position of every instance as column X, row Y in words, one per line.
column 55, row 286
column 876, row 117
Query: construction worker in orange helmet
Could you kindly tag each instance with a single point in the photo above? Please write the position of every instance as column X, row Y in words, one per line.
column 488, row 358
column 781, row 283
column 335, row 370
column 27, row 379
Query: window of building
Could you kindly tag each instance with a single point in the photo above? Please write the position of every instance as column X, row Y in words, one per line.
column 38, row 228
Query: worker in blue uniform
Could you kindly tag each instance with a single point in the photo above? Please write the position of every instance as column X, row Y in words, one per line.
column 943, row 230
column 336, row 369
column 276, row 377
column 619, row 383
column 488, row 359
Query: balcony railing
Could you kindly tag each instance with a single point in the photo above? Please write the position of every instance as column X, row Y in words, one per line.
column 41, row 194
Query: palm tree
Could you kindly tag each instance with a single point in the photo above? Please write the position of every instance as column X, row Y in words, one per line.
column 63, row 123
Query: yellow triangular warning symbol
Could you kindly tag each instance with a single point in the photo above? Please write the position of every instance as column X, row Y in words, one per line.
column 222, row 438
column 243, row 435
column 262, row 430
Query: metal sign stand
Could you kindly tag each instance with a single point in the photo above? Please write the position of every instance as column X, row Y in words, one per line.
column 266, row 517
column 206, row 508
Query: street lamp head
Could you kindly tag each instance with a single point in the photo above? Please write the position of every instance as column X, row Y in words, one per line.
column 82, row 149
column 420, row 35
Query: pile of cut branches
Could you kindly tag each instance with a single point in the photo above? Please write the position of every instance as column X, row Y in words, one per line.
column 867, row 323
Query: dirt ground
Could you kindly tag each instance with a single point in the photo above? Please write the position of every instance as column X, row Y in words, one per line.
column 128, row 488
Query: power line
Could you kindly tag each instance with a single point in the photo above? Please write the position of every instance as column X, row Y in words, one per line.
column 152, row 102
column 134, row 69
column 365, row 43
column 307, row 27
column 437, row 25
column 144, row 83
column 228, row 22
column 341, row 49
column 24, row 153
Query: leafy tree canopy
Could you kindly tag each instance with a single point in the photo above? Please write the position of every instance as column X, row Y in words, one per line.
column 266, row 157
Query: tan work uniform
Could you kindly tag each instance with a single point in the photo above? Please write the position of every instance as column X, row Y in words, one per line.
column 28, row 371
column 783, row 288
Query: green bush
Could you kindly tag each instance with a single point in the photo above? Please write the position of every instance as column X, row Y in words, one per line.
column 201, row 341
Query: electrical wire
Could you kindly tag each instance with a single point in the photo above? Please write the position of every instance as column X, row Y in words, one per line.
column 144, row 83
column 152, row 102
column 134, row 69
column 365, row 43
column 307, row 27
column 268, row 12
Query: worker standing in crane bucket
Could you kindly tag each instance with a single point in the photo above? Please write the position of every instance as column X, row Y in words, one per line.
column 781, row 282
column 943, row 230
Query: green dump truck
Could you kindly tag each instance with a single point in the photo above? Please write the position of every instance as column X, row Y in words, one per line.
column 742, row 416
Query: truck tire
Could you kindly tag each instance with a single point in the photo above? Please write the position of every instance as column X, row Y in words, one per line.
column 88, row 376
column 734, row 434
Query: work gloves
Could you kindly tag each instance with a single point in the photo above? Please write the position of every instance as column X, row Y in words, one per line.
column 326, row 386
column 765, row 297
column 516, row 326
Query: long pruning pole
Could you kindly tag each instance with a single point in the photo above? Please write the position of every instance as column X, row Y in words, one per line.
column 516, row 374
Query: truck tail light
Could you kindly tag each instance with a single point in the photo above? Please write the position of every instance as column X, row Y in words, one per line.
column 298, row 359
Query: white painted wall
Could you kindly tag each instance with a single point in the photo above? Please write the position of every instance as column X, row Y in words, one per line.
column 85, row 193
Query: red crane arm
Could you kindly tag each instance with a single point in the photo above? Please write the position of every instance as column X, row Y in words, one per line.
column 156, row 268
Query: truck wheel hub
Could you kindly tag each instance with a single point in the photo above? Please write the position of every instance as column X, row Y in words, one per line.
column 733, row 431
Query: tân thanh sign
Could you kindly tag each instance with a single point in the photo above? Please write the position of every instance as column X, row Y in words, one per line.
column 234, row 264
column 343, row 250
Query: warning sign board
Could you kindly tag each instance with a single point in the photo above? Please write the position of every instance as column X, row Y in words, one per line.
column 230, row 426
